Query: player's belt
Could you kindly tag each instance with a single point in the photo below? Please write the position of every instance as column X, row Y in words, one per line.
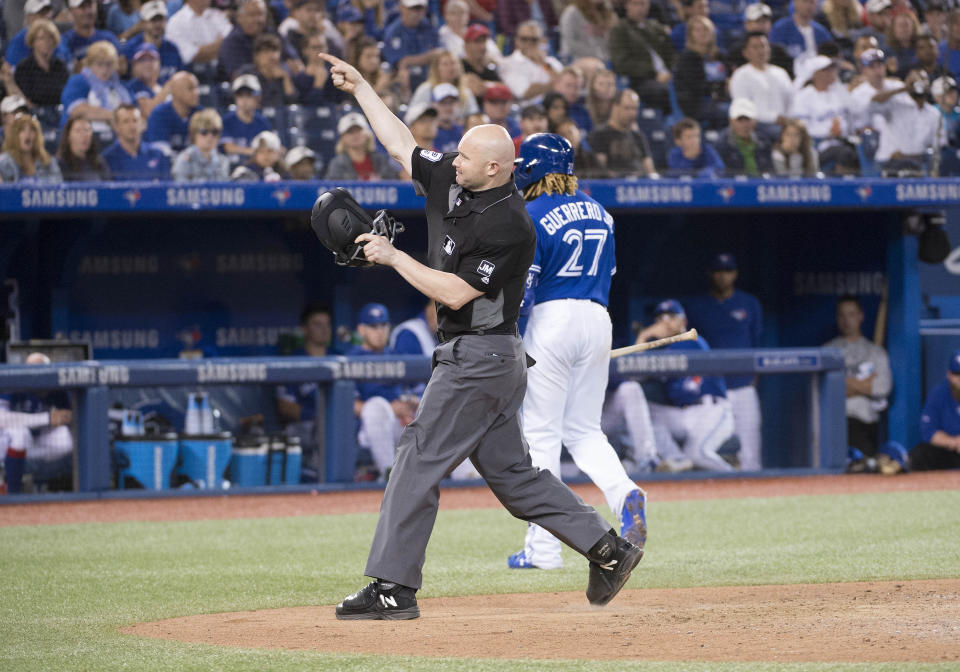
column 499, row 330
column 707, row 399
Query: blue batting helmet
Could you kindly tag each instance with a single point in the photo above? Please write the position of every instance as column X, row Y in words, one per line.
column 542, row 154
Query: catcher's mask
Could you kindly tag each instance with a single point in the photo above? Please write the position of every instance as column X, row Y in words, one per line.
column 338, row 219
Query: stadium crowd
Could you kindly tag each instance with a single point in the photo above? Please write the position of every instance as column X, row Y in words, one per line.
column 234, row 89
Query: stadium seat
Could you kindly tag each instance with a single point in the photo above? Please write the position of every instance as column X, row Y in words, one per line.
column 49, row 118
column 676, row 114
column 314, row 127
column 650, row 121
column 277, row 116
column 949, row 162
column 867, row 151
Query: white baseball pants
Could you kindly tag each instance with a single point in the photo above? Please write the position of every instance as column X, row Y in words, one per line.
column 379, row 432
column 747, row 424
column 700, row 429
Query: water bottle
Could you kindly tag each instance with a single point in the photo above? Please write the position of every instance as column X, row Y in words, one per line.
column 206, row 415
column 191, row 424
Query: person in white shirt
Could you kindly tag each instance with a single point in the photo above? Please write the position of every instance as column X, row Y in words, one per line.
column 768, row 86
column 197, row 30
column 823, row 105
column 875, row 87
column 529, row 71
column 910, row 125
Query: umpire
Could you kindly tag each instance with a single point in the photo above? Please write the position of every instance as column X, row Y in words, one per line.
column 480, row 244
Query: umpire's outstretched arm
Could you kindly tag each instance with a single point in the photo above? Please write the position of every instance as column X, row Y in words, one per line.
column 390, row 130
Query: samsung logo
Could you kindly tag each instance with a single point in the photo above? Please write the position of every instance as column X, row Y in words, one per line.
column 637, row 193
column 367, row 370
column 373, row 195
column 119, row 339
column 652, row 364
column 247, row 336
column 837, row 283
column 793, row 193
column 949, row 191
column 120, row 265
column 231, row 373
column 73, row 376
column 259, row 263
column 205, row 196
column 59, row 198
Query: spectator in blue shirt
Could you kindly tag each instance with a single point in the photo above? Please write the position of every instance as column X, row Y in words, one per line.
column 799, row 34
column 446, row 100
column 96, row 91
column 128, row 157
column 144, row 84
column 243, row 124
column 123, row 18
column 410, row 40
column 237, row 49
column 76, row 41
column 154, row 14
column 939, row 446
column 950, row 47
column 167, row 125
column 689, row 156
column 17, row 49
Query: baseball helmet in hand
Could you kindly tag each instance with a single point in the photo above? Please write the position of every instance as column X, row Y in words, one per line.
column 338, row 219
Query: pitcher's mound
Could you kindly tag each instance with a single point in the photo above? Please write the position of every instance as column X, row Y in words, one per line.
column 840, row 622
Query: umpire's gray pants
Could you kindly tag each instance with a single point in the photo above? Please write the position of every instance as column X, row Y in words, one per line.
column 470, row 409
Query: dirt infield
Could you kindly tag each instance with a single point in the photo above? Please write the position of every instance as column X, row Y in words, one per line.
column 842, row 622
column 368, row 501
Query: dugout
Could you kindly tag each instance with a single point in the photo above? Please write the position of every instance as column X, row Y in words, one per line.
column 146, row 271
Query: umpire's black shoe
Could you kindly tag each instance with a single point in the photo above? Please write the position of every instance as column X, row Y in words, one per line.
column 611, row 561
column 380, row 601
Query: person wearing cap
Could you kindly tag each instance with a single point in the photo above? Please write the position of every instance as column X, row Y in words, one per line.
column 939, row 446
column 479, row 65
column 167, row 125
column 758, row 18
column 826, row 111
column 154, row 15
column 200, row 161
column 446, row 101
column 24, row 158
column 689, row 156
column 410, row 40
column 876, row 88
column 276, row 82
column 878, row 13
column 620, row 149
column 533, row 119
column 129, row 158
column 242, row 125
column 729, row 318
column 305, row 19
column 742, row 149
column 769, row 87
column 383, row 410
column 301, row 163
column 422, row 122
column 266, row 161
column 18, row 48
column 945, row 98
column 84, row 33
column 351, row 25
column 868, row 377
column 42, row 75
column 585, row 29
column 10, row 108
column 444, row 68
column 95, row 91
column 529, row 71
column 798, row 33
column 497, row 100
column 198, row 30
column 691, row 415
column 239, row 48
column 144, row 83
column 911, row 128
column 356, row 157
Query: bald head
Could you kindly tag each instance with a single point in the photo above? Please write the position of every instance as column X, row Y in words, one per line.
column 185, row 91
column 37, row 358
column 486, row 158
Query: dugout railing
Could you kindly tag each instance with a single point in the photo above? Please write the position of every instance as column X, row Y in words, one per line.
column 819, row 443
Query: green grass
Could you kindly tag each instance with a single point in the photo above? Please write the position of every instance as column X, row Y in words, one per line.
column 65, row 589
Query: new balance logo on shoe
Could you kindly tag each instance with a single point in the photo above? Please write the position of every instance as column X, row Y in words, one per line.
column 388, row 601
column 608, row 565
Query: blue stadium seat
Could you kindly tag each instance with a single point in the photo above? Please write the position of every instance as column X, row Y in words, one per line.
column 49, row 118
column 650, row 121
column 867, row 152
column 277, row 116
column 209, row 94
column 314, row 127
column 949, row 162
column 206, row 73
column 676, row 114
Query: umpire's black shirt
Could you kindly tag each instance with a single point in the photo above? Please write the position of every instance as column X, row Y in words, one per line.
column 485, row 237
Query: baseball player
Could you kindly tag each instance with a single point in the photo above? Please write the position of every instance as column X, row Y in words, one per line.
column 693, row 410
column 481, row 243
column 569, row 334
column 730, row 318
column 939, row 446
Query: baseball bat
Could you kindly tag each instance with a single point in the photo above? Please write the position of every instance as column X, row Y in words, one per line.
column 880, row 327
column 689, row 335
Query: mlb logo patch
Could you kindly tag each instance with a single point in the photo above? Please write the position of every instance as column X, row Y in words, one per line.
column 448, row 245
column 739, row 314
column 431, row 155
column 485, row 269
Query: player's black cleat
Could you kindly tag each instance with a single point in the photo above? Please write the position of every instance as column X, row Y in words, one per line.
column 380, row 601
column 612, row 560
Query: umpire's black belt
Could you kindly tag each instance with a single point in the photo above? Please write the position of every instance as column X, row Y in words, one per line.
column 499, row 330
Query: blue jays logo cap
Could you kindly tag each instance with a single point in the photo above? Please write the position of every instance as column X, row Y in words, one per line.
column 373, row 313
column 671, row 306
column 723, row 262
column 955, row 362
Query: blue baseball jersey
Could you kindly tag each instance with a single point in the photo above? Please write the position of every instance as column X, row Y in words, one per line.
column 149, row 164
column 368, row 390
column 75, row 45
column 170, row 60
column 941, row 412
column 167, row 129
column 575, row 256
column 241, row 133
column 736, row 322
column 685, row 390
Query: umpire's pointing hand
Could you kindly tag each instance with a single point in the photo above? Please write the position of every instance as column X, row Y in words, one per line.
column 377, row 249
column 345, row 77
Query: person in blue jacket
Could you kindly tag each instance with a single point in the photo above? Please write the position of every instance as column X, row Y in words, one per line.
column 939, row 446
column 689, row 156
column 798, row 33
